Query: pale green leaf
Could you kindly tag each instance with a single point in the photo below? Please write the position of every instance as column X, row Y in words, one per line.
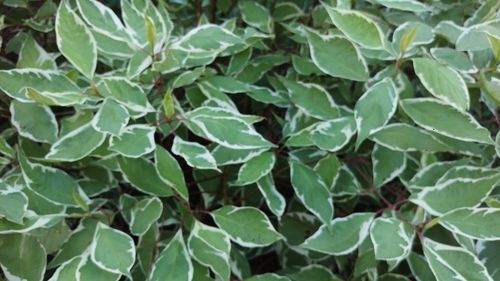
column 256, row 15
column 135, row 141
column 76, row 144
column 255, row 168
column 246, row 226
column 442, row 82
column 405, row 5
column 392, row 239
column 34, row 121
column 22, row 257
column 479, row 223
column 387, row 164
column 458, row 60
column 375, row 108
column 142, row 174
column 340, row 236
column 334, row 134
column 337, row 57
column 311, row 190
column 195, row 154
column 441, row 118
column 169, row 171
column 144, row 214
column 173, row 263
column 126, row 93
column 111, row 118
column 75, row 41
column 33, row 55
column 274, row 200
column 403, row 137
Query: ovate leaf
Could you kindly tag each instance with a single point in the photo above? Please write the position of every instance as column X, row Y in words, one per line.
column 442, row 82
column 254, row 14
column 255, row 168
column 111, row 118
column 169, row 171
column 196, row 155
column 113, row 250
column 358, row 27
column 144, row 214
column 334, row 134
column 450, row 262
column 246, row 226
column 173, row 263
column 211, row 246
column 135, row 141
column 337, row 56
column 22, row 257
column 311, row 191
column 392, row 239
column 374, row 109
column 475, row 223
column 76, row 144
column 387, row 164
column 141, row 173
column 340, row 236
column 75, row 41
column 34, row 121
column 441, row 118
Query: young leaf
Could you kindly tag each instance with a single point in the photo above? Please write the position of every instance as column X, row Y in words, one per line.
column 173, row 263
column 75, row 41
column 255, row 168
column 246, row 226
column 374, row 109
column 340, row 236
column 311, row 191
column 442, row 82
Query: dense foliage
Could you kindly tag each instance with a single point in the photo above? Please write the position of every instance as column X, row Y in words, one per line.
column 293, row 140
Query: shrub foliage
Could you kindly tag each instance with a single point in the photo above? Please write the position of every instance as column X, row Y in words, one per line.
column 249, row 140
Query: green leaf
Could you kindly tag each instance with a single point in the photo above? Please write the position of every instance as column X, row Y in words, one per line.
column 387, row 164
column 255, row 168
column 420, row 268
column 312, row 99
column 195, row 154
column 141, row 173
column 33, row 55
column 334, row 134
column 244, row 135
column 111, row 118
column 50, row 183
column 112, row 250
column 284, row 11
column 75, row 41
column 488, row 252
column 475, row 38
column 170, row 172
column 144, row 214
column 345, row 62
column 34, row 121
column 207, row 39
column 168, row 105
column 441, row 118
column 150, row 33
column 246, row 226
column 314, row 272
column 268, row 277
column 392, row 239
column 228, row 156
column 340, row 236
column 22, row 257
column 450, row 262
column 454, row 194
column 478, row 223
column 311, row 191
column 274, row 200
column 375, row 108
column 13, row 203
column 357, row 26
column 405, row 5
column 126, row 93
column 458, row 60
column 15, row 81
column 442, row 82
column 403, row 137
column 256, row 15
column 173, row 263
column 51, row 98
column 70, row 147
column 210, row 247
column 135, row 141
